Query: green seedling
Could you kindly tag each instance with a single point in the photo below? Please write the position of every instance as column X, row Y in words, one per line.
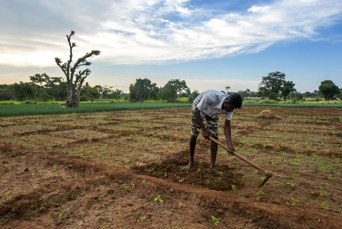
column 233, row 188
column 207, row 181
column 288, row 183
column 43, row 204
column 141, row 219
column 54, row 168
column 7, row 195
column 165, row 174
column 51, row 183
column 294, row 201
column 322, row 192
column 63, row 214
column 329, row 178
column 296, row 174
column 260, row 192
column 198, row 170
column 215, row 221
column 103, row 207
column 123, row 186
column 9, row 168
column 23, row 157
column 75, row 176
column 158, row 198
column 32, row 174
column 325, row 205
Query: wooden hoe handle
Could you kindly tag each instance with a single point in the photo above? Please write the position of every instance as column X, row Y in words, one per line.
column 267, row 173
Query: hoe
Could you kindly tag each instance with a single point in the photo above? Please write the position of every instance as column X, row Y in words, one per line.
column 267, row 173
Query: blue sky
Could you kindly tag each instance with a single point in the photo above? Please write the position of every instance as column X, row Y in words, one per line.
column 209, row 44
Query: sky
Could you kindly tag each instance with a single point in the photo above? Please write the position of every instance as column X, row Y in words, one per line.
column 208, row 43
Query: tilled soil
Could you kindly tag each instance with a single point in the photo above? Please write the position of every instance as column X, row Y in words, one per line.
column 107, row 197
column 52, row 187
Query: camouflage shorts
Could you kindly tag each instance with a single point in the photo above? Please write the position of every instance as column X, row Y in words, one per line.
column 212, row 125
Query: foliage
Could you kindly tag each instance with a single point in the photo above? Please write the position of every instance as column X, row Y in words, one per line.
column 215, row 221
column 75, row 80
column 271, row 84
column 169, row 92
column 180, row 86
column 39, row 80
column 23, row 90
column 142, row 89
column 288, row 87
column 329, row 89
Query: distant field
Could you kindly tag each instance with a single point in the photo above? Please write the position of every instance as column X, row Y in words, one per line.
column 35, row 109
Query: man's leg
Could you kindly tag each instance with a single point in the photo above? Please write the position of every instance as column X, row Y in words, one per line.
column 192, row 151
column 194, row 135
column 212, row 127
column 213, row 150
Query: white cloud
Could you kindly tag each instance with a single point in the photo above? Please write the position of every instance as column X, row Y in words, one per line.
column 153, row 31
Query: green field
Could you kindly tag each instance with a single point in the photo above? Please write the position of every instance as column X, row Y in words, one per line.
column 34, row 109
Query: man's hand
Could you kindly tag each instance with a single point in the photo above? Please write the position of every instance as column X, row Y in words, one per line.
column 205, row 134
column 231, row 149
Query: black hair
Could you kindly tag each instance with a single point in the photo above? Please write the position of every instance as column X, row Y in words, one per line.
column 235, row 100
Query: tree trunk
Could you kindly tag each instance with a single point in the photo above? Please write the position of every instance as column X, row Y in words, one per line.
column 71, row 97
column 294, row 98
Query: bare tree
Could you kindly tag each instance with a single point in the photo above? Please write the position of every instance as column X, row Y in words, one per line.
column 75, row 80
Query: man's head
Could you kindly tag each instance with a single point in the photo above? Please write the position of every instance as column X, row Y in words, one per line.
column 231, row 102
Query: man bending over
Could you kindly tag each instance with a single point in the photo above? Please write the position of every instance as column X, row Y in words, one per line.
column 209, row 104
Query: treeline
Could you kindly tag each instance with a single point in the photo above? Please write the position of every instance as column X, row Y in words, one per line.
column 143, row 89
column 275, row 86
column 44, row 88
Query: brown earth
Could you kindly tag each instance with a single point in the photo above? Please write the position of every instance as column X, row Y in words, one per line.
column 100, row 175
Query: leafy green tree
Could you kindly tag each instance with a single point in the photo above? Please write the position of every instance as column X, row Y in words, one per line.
column 75, row 80
column 308, row 94
column 169, row 92
column 195, row 93
column 339, row 95
column 328, row 88
column 90, row 93
column 116, row 94
column 106, row 91
column 39, row 80
column 5, row 92
column 141, row 89
column 288, row 87
column 245, row 93
column 271, row 84
column 57, row 88
column 180, row 86
column 23, row 91
column 227, row 89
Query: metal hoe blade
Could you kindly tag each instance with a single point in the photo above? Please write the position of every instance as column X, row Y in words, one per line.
column 268, row 176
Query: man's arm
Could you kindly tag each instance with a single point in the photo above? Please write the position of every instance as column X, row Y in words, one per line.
column 205, row 133
column 228, row 133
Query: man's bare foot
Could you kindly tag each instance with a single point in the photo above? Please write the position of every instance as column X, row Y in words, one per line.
column 189, row 165
column 215, row 172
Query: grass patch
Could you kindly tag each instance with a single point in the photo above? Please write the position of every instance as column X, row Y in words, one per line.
column 35, row 109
